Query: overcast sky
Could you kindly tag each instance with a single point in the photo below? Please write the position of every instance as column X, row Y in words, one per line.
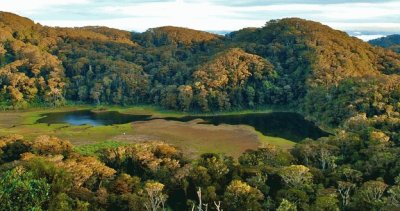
column 366, row 18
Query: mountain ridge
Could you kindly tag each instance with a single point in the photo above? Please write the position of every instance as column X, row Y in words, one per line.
column 160, row 66
column 391, row 42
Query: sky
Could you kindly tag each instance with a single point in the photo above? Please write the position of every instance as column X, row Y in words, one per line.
column 363, row 18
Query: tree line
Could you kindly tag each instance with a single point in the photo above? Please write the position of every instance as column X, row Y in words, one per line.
column 282, row 63
column 357, row 168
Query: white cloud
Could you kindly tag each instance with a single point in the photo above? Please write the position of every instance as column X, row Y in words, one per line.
column 177, row 9
column 369, row 37
column 143, row 23
column 385, row 27
column 27, row 7
column 361, row 11
column 207, row 14
column 197, row 15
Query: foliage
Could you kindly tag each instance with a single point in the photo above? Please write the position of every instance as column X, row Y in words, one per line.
column 158, row 174
column 239, row 195
column 93, row 149
column 286, row 62
column 296, row 176
column 155, row 198
column 286, row 206
column 339, row 81
column 19, row 190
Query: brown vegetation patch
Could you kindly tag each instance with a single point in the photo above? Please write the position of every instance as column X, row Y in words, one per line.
column 134, row 138
column 10, row 119
column 185, row 35
column 195, row 138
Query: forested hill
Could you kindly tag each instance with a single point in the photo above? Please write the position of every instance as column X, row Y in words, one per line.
column 338, row 80
column 286, row 62
column 392, row 42
column 170, row 35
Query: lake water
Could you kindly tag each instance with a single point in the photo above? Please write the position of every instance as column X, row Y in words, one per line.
column 88, row 117
column 291, row 126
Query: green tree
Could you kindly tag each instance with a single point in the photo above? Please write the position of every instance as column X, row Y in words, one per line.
column 344, row 189
column 299, row 197
column 394, row 193
column 155, row 198
column 371, row 194
column 19, row 190
column 296, row 176
column 250, row 95
column 286, row 206
column 326, row 203
column 241, row 196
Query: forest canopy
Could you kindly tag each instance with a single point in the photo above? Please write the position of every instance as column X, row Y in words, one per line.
column 340, row 81
column 287, row 62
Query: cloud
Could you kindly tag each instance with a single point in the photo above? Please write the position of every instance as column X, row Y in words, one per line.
column 280, row 2
column 344, row 11
column 209, row 14
column 372, row 27
column 36, row 6
column 369, row 37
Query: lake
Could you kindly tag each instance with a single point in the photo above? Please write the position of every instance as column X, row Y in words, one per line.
column 87, row 117
column 287, row 125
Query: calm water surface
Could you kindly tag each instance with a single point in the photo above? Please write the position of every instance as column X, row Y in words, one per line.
column 286, row 125
column 87, row 117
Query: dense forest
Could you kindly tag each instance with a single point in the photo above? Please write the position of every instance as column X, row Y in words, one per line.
column 337, row 80
column 286, row 62
column 356, row 169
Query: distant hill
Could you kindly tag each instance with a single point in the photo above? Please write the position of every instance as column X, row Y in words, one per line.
column 391, row 42
column 179, row 35
column 287, row 62
column 310, row 54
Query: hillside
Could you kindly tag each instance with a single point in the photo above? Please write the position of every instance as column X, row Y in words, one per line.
column 315, row 63
column 325, row 56
column 391, row 42
column 179, row 35
column 186, row 69
column 98, row 34
column 229, row 72
column 340, row 82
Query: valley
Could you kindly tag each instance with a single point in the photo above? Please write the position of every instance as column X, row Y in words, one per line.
column 292, row 115
column 186, row 134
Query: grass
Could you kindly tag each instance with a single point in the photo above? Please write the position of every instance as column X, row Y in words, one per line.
column 267, row 109
column 157, row 111
column 279, row 142
column 24, row 123
column 140, row 110
column 193, row 139
column 93, row 149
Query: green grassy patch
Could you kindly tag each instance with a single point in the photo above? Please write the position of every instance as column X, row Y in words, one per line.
column 142, row 110
column 157, row 111
column 192, row 138
column 279, row 142
column 93, row 149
